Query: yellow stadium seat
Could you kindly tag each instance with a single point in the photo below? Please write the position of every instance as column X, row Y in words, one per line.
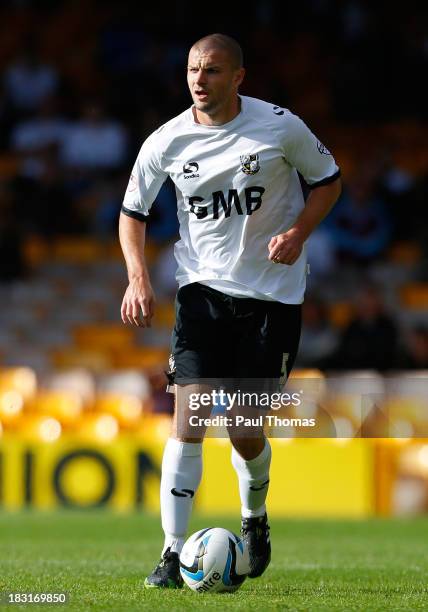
column 9, row 165
column 151, row 251
column 415, row 296
column 154, row 427
column 36, row 251
column 76, row 380
column 340, row 313
column 77, row 250
column 93, row 360
column 103, row 336
column 65, row 406
column 146, row 358
column 407, row 253
column 98, row 427
column 307, row 373
column 165, row 315
column 11, row 407
column 127, row 409
column 21, row 379
column 39, row 428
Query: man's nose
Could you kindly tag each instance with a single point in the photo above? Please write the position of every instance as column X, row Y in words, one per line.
column 200, row 76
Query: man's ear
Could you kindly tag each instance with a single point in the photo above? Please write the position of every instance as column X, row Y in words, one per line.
column 240, row 74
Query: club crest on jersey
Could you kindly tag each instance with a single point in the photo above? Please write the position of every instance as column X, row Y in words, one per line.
column 250, row 163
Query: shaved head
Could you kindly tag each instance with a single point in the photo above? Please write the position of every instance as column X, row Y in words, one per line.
column 221, row 42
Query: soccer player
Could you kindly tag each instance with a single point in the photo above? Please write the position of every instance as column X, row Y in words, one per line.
column 241, row 268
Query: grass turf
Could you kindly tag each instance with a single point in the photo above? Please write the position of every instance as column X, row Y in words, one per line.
column 101, row 559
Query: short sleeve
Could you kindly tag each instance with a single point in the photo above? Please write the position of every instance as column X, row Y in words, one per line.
column 147, row 177
column 306, row 153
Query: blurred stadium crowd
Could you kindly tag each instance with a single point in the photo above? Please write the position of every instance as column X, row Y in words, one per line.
column 83, row 83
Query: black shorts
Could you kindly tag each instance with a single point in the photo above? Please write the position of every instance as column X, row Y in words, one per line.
column 220, row 336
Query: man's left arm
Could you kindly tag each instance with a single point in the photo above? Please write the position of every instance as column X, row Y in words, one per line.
column 286, row 248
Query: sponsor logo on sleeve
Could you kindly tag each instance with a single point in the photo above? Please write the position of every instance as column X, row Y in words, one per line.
column 322, row 149
column 132, row 183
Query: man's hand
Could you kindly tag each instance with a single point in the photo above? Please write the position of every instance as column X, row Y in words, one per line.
column 286, row 248
column 138, row 302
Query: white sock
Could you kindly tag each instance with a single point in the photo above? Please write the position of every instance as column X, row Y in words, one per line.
column 181, row 473
column 253, row 474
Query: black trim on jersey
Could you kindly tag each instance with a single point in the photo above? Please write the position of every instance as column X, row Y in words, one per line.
column 134, row 214
column 325, row 181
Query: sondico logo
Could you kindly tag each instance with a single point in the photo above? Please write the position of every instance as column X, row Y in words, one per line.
column 190, row 170
column 182, row 492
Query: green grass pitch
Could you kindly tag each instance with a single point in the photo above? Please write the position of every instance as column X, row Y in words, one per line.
column 101, row 559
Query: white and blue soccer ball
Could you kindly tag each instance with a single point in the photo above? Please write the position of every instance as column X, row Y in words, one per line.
column 214, row 560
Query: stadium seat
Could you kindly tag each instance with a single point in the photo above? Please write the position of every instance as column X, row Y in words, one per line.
column 127, row 409
column 407, row 253
column 142, row 358
column 9, row 165
column 340, row 313
column 65, row 406
column 39, row 428
column 19, row 379
column 77, row 250
column 11, row 407
column 36, row 251
column 128, row 382
column 154, row 428
column 108, row 336
column 151, row 251
column 415, row 296
column 98, row 427
column 75, row 380
column 357, row 396
column 165, row 315
column 69, row 357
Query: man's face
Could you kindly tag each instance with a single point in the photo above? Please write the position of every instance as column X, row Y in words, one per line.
column 213, row 79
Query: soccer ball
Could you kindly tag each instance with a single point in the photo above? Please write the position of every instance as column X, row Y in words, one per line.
column 214, row 560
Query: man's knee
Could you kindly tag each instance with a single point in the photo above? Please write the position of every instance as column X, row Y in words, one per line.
column 188, row 422
column 249, row 447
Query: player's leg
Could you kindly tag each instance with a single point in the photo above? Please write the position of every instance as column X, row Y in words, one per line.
column 181, row 475
column 267, row 356
column 182, row 466
column 195, row 344
column 251, row 457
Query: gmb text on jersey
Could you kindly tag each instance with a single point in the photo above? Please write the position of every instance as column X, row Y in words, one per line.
column 222, row 203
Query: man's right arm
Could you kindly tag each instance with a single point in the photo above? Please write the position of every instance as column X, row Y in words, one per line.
column 139, row 300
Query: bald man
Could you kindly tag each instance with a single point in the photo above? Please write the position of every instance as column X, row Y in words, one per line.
column 241, row 273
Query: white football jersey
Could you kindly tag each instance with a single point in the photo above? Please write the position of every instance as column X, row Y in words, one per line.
column 237, row 186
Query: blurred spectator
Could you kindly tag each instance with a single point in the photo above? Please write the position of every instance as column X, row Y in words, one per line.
column 33, row 137
column 164, row 273
column 370, row 339
column 28, row 81
column 44, row 204
column 11, row 259
column 359, row 224
column 95, row 142
column 319, row 339
column 320, row 250
column 399, row 188
column 353, row 69
column 415, row 354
